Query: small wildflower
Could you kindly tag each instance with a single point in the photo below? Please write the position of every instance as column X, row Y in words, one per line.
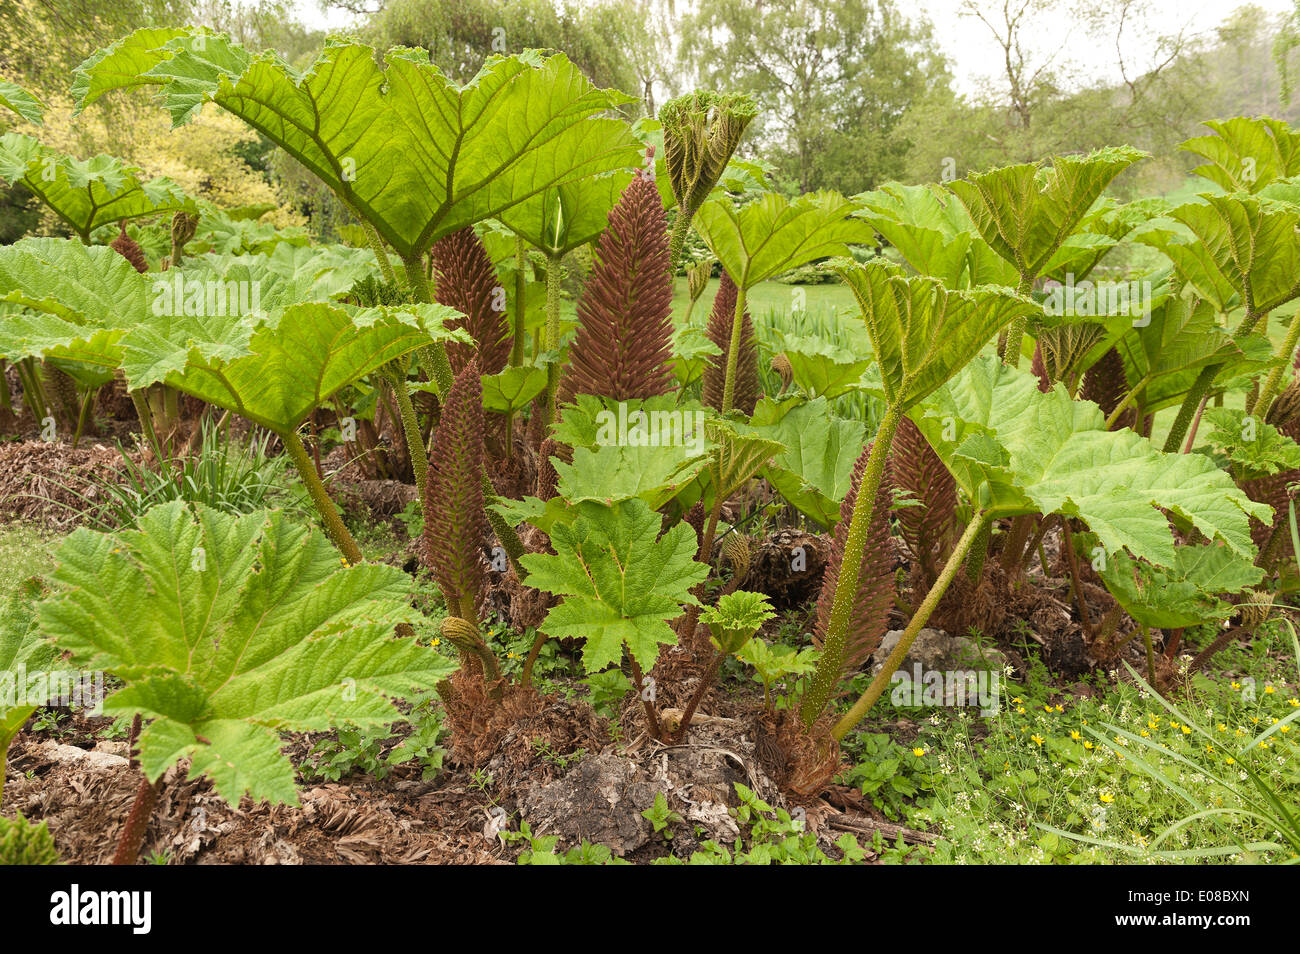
column 1106, row 798
column 1269, row 690
column 1074, row 734
column 1037, row 738
column 918, row 751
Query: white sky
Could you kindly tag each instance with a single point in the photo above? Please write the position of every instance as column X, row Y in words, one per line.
column 976, row 56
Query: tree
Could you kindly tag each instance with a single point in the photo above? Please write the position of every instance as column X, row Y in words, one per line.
column 461, row 34
column 833, row 78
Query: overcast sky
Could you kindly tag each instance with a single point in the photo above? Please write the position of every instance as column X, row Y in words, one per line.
column 976, row 56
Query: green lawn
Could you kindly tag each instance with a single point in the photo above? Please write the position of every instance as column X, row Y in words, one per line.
column 770, row 296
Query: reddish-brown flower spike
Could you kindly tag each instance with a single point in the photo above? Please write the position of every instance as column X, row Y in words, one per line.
column 917, row 469
column 129, row 249
column 718, row 329
column 468, row 282
column 455, row 522
column 875, row 595
column 1106, row 384
column 623, row 347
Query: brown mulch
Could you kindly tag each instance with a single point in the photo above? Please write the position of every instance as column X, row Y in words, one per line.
column 53, row 485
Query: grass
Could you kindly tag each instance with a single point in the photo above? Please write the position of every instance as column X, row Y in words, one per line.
column 769, row 297
column 26, row 550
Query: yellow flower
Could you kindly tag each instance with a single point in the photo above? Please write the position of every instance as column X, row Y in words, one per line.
column 1269, row 690
column 1186, row 731
column 1263, row 745
column 1106, row 797
column 1144, row 733
column 1059, row 708
column 1087, row 745
column 1017, row 700
column 1231, row 761
column 1074, row 734
column 1293, row 703
column 437, row 641
column 1047, row 708
column 1234, row 684
column 1020, row 710
column 918, row 751
column 1037, row 738
column 1285, row 728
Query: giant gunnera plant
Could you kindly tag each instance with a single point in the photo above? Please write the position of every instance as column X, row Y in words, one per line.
column 226, row 631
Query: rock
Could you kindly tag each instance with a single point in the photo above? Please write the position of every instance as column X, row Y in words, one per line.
column 88, row 759
column 943, row 670
column 600, row 800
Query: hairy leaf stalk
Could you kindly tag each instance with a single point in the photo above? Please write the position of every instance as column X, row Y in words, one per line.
column 1273, row 383
column 914, row 627
column 746, row 387
column 435, row 354
column 834, row 647
column 320, row 497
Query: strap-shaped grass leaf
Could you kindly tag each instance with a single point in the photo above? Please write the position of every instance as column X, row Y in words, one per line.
column 922, row 332
column 87, row 193
column 1025, row 212
column 773, row 234
column 229, row 629
column 313, row 351
column 620, row 581
column 1246, row 153
column 1018, row 451
column 1186, row 594
column 414, row 154
column 14, row 97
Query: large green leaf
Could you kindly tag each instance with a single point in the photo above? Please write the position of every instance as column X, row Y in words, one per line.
column 230, row 629
column 312, row 352
column 1253, row 448
column 87, row 193
column 1247, row 153
column 815, row 470
column 773, row 235
column 934, row 234
column 1235, row 250
column 560, row 219
column 24, row 653
column 621, row 582
column 1025, row 212
column 17, row 99
column 1163, row 357
column 1017, row 450
column 649, row 449
column 1186, row 594
column 86, row 304
column 922, row 332
column 77, row 302
column 412, row 153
